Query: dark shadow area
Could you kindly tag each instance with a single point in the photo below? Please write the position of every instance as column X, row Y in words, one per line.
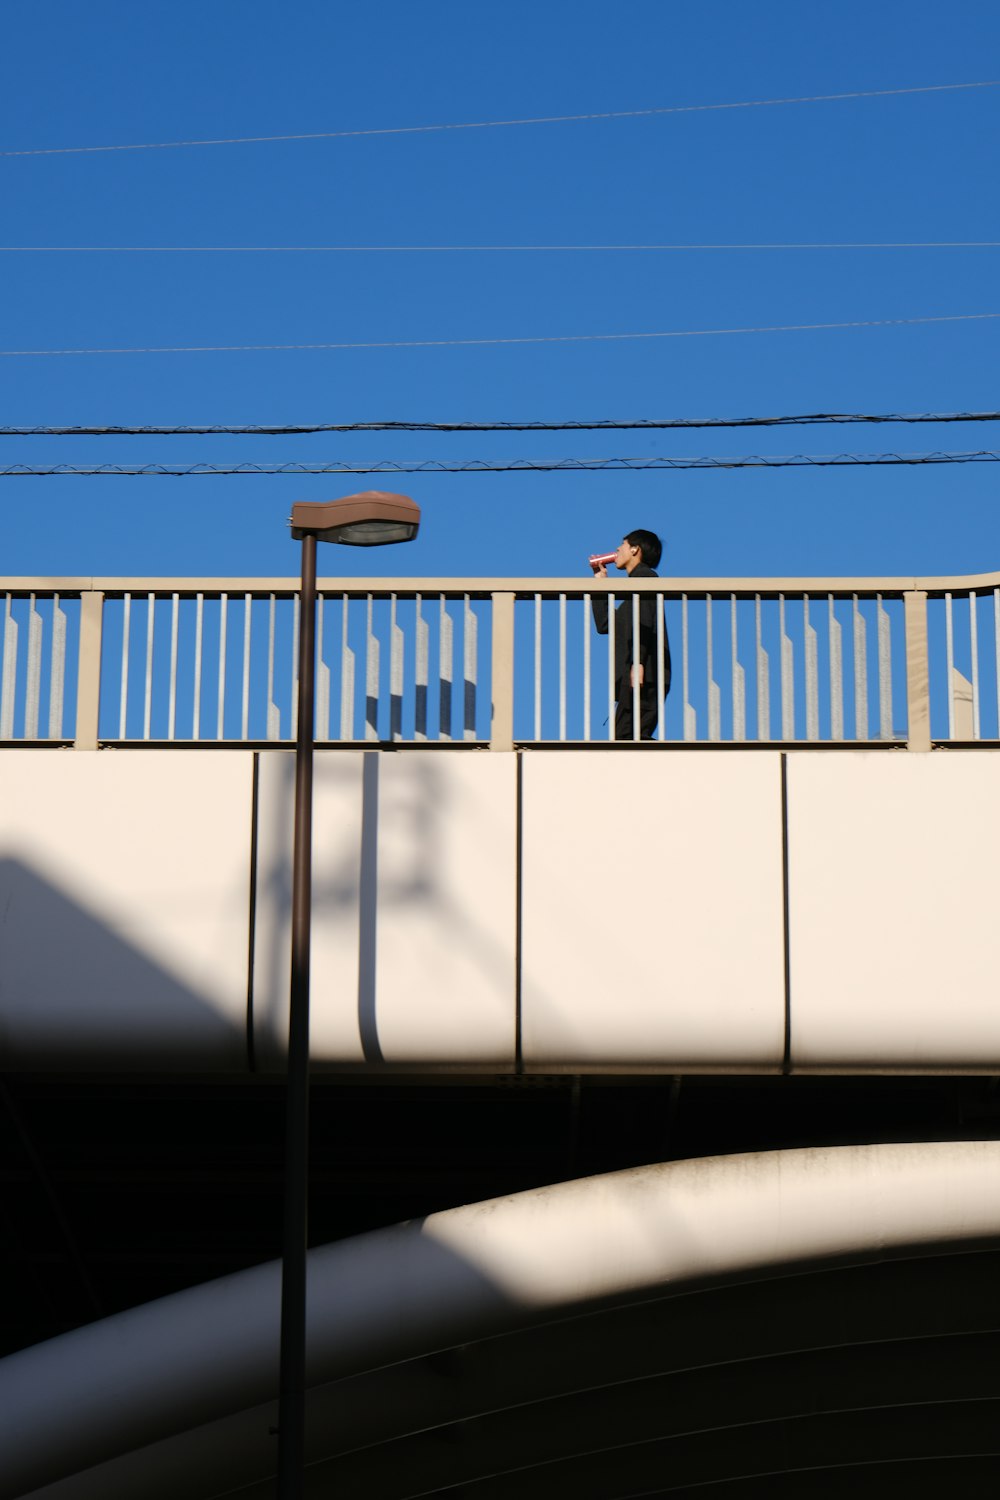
column 73, row 992
column 166, row 1182
column 793, row 1376
column 104, row 1395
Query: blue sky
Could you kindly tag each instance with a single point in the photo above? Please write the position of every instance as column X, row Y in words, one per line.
column 913, row 167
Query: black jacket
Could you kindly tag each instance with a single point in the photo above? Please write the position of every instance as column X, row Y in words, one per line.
column 623, row 635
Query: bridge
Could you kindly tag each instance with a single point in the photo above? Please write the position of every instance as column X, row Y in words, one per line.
column 728, row 997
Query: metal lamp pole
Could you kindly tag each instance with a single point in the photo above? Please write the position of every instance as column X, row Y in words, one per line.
column 371, row 519
column 291, row 1390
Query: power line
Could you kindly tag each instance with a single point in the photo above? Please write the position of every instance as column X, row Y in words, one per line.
column 485, row 466
column 564, row 338
column 613, row 114
column 653, row 424
column 487, row 249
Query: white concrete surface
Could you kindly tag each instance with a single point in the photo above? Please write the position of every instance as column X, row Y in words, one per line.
column 894, row 931
column 652, row 911
column 124, row 884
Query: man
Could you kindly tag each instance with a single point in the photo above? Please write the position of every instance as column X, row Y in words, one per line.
column 637, row 556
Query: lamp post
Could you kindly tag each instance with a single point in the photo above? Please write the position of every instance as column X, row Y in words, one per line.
column 371, row 519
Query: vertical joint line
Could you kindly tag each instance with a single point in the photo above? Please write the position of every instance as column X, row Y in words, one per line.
column 251, row 942
column 786, row 1061
column 518, row 908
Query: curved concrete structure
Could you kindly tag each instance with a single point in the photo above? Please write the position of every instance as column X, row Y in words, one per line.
column 449, row 1350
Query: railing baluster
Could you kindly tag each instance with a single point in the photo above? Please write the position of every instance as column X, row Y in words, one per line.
column 199, row 633
column 9, row 689
column 502, row 671
column 371, row 674
column 245, row 713
column 172, row 690
column 860, row 674
column 739, row 679
column 812, row 673
column 712, row 687
column 445, row 671
column 836, row 674
column 611, row 666
column 346, row 678
column 538, row 666
column 884, row 671
column 57, row 671
column 586, row 614
column 634, row 669
column 787, row 662
column 147, row 706
column 763, row 680
column 470, row 652
column 950, row 664
column 661, row 713
column 562, row 666
column 322, row 675
column 690, row 714
column 422, row 674
column 395, row 674
column 123, row 694
column 223, row 617
column 296, row 612
column 918, row 697
column 974, row 646
column 33, row 683
column 273, row 722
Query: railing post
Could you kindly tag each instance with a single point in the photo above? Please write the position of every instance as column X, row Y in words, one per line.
column 918, row 698
column 88, row 675
column 502, row 673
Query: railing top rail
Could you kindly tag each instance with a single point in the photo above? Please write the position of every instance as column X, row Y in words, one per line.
column 483, row 586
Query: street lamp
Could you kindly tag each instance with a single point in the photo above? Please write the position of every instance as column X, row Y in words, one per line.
column 371, row 519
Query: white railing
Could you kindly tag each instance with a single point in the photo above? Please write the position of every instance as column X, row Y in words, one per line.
column 498, row 662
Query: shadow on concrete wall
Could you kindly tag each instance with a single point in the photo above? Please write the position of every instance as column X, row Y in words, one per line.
column 74, row 993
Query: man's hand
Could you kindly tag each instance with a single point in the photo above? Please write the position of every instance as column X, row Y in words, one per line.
column 599, row 570
column 631, row 675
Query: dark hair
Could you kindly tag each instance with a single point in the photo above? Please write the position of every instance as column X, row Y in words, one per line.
column 649, row 545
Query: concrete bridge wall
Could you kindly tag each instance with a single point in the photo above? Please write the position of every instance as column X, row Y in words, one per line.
column 553, row 910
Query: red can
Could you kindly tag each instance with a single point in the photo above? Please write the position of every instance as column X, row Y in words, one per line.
column 602, row 559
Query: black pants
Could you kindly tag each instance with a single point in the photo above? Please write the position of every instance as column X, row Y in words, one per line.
column 649, row 714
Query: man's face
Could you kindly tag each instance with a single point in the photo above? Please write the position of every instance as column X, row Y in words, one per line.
column 626, row 556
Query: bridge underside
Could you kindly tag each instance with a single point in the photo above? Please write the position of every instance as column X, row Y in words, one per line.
column 817, row 1322
column 120, row 1190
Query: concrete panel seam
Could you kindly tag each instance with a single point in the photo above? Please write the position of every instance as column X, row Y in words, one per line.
column 786, row 1062
column 252, row 909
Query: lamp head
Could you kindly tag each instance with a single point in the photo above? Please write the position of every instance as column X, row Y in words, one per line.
column 372, row 519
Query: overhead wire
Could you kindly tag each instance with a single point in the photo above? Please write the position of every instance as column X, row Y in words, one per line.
column 485, row 466
column 564, row 338
column 614, row 114
column 610, row 424
column 489, row 249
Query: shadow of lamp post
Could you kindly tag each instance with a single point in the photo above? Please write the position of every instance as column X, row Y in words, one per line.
column 371, row 519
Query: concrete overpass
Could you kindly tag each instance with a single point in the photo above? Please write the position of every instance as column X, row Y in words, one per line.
column 805, row 857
